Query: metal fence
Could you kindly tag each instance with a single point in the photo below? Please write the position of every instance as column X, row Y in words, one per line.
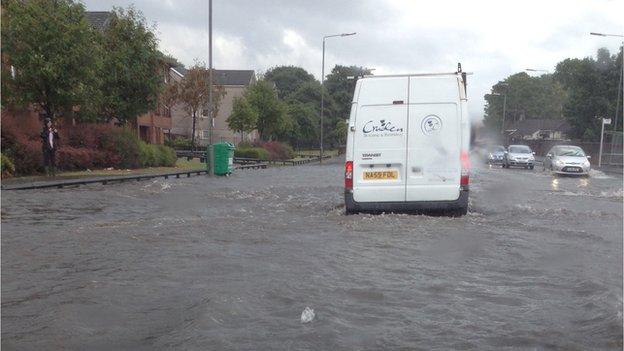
column 613, row 154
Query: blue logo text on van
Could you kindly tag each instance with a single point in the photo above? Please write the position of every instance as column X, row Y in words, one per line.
column 380, row 126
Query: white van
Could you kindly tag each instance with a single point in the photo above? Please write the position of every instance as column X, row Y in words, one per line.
column 407, row 144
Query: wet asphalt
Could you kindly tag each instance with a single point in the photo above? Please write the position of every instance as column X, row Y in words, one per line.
column 230, row 264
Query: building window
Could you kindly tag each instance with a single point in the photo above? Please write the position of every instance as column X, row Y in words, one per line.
column 205, row 134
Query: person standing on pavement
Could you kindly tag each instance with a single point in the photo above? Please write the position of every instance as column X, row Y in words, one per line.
column 49, row 141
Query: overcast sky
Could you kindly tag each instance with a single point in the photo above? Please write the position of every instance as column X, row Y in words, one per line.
column 492, row 39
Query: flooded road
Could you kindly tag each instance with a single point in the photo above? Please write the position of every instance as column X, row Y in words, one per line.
column 230, row 263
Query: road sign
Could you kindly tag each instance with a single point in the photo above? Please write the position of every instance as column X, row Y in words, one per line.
column 606, row 121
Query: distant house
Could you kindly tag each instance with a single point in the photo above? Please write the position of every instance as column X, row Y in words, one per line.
column 540, row 129
column 99, row 19
column 235, row 82
column 152, row 125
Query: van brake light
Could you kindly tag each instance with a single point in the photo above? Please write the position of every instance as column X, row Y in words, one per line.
column 349, row 175
column 465, row 169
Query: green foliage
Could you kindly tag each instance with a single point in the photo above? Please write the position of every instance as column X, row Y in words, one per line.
column 273, row 120
column 527, row 97
column 252, row 152
column 166, row 156
column 127, row 146
column 51, row 45
column 340, row 84
column 288, row 79
column 151, row 155
column 580, row 90
column 340, row 132
column 592, row 88
column 243, row 118
column 305, row 132
column 6, row 165
column 131, row 79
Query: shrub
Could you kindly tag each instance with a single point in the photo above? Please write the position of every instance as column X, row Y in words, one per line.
column 28, row 157
column 167, row 156
column 6, row 166
column 69, row 158
column 156, row 155
column 255, row 152
column 124, row 143
column 278, row 150
column 86, row 135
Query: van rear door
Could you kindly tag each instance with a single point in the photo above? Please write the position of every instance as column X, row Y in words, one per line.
column 380, row 140
column 434, row 139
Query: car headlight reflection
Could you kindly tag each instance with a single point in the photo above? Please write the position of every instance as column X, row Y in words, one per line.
column 559, row 163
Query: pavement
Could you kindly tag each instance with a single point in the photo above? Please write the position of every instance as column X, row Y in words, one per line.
column 215, row 263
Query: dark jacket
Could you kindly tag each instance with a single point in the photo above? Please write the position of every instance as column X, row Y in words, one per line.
column 44, row 140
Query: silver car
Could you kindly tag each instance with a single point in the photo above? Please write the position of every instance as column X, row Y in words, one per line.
column 567, row 159
column 519, row 156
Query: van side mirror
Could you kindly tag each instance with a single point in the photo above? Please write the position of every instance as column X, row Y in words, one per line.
column 549, row 155
column 533, row 153
column 588, row 157
column 506, row 152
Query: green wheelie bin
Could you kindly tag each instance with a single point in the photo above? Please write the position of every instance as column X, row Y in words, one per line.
column 223, row 158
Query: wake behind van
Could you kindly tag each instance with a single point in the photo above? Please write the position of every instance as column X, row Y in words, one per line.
column 407, row 144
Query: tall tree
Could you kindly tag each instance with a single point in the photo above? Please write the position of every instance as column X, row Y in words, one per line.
column 592, row 87
column 50, row 45
column 340, row 84
column 288, row 79
column 527, row 98
column 243, row 118
column 193, row 93
column 272, row 116
column 132, row 74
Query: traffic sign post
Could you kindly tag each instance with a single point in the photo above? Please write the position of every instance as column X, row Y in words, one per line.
column 604, row 121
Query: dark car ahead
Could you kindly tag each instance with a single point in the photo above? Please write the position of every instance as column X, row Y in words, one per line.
column 496, row 155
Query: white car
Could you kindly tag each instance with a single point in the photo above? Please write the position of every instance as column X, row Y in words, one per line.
column 407, row 144
column 519, row 156
column 567, row 159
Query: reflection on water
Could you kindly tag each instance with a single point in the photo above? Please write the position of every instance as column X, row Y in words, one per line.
column 555, row 184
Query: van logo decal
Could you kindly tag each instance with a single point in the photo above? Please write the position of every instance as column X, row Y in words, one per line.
column 381, row 128
column 431, row 124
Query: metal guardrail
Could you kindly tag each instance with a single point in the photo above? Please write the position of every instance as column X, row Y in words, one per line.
column 102, row 180
column 246, row 163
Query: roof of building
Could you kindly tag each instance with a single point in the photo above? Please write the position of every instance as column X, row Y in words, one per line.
column 180, row 69
column 99, row 19
column 233, row 77
column 226, row 76
column 530, row 126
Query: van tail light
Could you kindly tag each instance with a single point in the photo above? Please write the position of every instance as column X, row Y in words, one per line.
column 349, row 175
column 465, row 169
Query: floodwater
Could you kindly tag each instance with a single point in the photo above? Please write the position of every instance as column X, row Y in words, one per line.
column 230, row 264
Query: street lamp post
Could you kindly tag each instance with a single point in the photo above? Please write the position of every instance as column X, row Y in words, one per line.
column 210, row 120
column 504, row 107
column 620, row 91
column 322, row 85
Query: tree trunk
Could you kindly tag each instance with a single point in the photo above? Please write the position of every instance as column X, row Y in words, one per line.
column 193, row 135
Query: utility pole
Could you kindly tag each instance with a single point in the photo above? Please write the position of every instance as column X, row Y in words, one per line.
column 210, row 109
column 322, row 85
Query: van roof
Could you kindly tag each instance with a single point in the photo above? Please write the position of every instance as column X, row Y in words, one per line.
column 417, row 74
